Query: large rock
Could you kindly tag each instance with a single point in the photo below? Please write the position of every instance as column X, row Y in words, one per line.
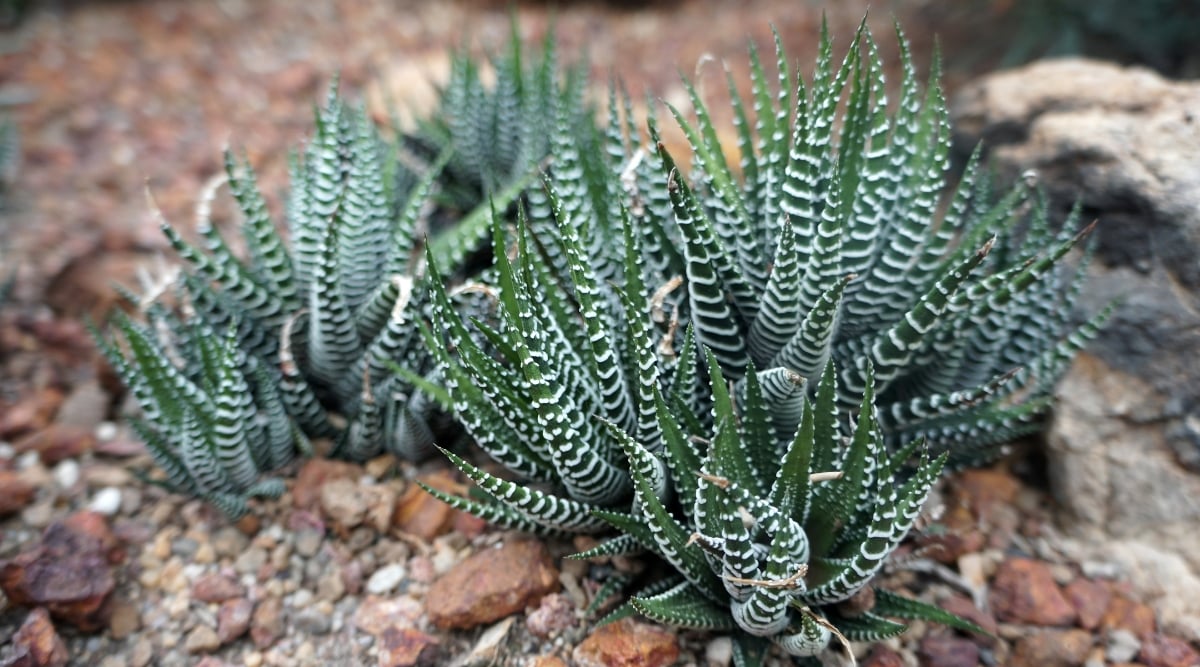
column 1124, row 447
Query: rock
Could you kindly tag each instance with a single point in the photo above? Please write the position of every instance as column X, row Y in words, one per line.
column 1052, row 648
column 1162, row 651
column 37, row 644
column 554, row 614
column 18, row 492
column 491, row 585
column 1024, row 591
column 386, row 579
column 1121, row 645
column 345, row 503
column 58, row 442
column 718, row 652
column 212, row 661
column 1122, row 138
column 547, row 661
column 66, row 474
column 1123, row 450
column 308, row 541
column 216, row 588
column 107, row 501
column 233, row 619
column 422, row 515
column 316, row 472
column 1130, row 615
column 947, row 651
column 125, row 619
column 202, row 639
column 85, row 406
column 627, row 643
column 407, row 647
column 68, row 572
column 486, row 650
column 142, row 653
column 250, row 560
column 1090, row 600
column 882, row 656
column 229, row 542
column 375, row 614
column 266, row 624
column 312, row 621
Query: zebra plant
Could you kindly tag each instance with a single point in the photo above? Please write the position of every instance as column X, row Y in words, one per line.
column 501, row 132
column 315, row 329
column 739, row 375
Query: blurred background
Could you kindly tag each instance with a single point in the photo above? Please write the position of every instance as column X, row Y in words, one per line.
column 108, row 96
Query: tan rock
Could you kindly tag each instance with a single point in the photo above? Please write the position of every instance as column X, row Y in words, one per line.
column 314, row 474
column 1130, row 615
column 125, row 619
column 202, row 639
column 627, row 643
column 1052, row 648
column 491, row 585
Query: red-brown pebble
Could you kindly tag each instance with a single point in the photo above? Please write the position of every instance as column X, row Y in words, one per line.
column 68, row 572
column 628, row 643
column 37, row 642
column 18, row 492
column 1024, row 591
column 233, row 619
column 266, row 623
column 947, row 651
column 491, row 585
column 216, row 587
column 406, row 647
column 1162, row 651
column 1090, row 600
column 882, row 656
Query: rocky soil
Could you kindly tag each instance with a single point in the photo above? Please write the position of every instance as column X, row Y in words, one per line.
column 356, row 565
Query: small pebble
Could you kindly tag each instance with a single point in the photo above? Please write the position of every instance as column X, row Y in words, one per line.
column 308, row 541
column 202, row 639
column 142, row 653
column 66, row 473
column 229, row 542
column 719, row 652
column 107, row 501
column 1121, row 645
column 311, row 621
column 386, row 579
column 250, row 560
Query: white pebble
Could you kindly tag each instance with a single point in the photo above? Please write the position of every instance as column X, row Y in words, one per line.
column 66, row 473
column 386, row 579
column 28, row 460
column 107, row 501
column 7, row 451
column 106, row 431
